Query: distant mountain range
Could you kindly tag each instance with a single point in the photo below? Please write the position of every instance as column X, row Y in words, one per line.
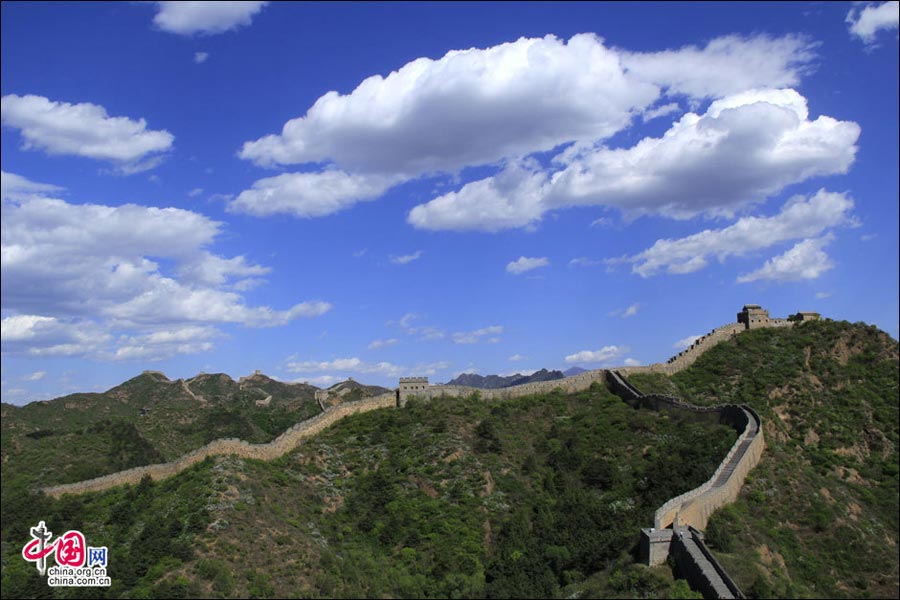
column 492, row 382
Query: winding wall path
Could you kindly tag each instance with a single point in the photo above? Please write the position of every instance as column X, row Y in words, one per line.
column 289, row 440
column 281, row 445
column 694, row 507
column 689, row 512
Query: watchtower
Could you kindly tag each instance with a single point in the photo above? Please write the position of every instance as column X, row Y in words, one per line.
column 411, row 386
column 753, row 316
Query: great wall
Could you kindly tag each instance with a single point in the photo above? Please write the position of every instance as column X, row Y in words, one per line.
column 677, row 523
column 281, row 445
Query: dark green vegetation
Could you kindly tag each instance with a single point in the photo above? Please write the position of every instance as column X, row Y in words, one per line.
column 540, row 496
column 146, row 420
column 818, row 517
column 457, row 498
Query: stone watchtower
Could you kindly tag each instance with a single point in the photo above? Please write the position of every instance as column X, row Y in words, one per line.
column 753, row 316
column 410, row 386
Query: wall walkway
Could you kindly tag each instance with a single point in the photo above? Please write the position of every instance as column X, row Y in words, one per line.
column 690, row 511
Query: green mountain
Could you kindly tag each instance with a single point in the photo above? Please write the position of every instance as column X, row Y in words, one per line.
column 146, row 420
column 492, row 382
column 540, row 496
column 819, row 516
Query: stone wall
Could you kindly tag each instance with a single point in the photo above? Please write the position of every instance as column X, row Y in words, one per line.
column 284, row 443
column 689, row 355
column 696, row 512
column 575, row 383
column 417, row 387
column 694, row 507
column 697, row 564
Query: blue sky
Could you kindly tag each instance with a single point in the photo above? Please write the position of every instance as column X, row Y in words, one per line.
column 373, row 190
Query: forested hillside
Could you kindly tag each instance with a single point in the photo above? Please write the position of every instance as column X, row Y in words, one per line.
column 818, row 517
column 538, row 496
column 453, row 498
column 146, row 420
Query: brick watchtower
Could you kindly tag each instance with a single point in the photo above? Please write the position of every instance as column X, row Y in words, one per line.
column 753, row 316
column 411, row 386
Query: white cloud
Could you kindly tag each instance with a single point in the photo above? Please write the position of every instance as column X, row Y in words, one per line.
column 383, row 343
column 308, row 194
column 473, row 337
column 625, row 312
column 84, row 130
column 195, row 192
column 823, row 295
column 866, row 23
column 523, row 264
column 686, row 342
column 501, row 104
column 515, row 358
column 422, row 332
column 340, row 364
column 469, row 107
column 806, row 260
column 165, row 343
column 16, row 187
column 632, row 362
column 322, row 381
column 36, row 376
column 745, row 148
column 188, row 17
column 512, row 198
column 247, row 284
column 799, row 218
column 661, row 111
column 355, row 365
column 37, row 335
column 75, row 274
column 583, row 261
column 406, row 258
column 201, row 57
column 727, row 65
column 209, row 269
column 605, row 354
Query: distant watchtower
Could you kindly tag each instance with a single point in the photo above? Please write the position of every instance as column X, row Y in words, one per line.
column 753, row 316
column 411, row 386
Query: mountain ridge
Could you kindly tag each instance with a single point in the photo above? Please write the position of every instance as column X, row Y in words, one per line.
column 493, row 382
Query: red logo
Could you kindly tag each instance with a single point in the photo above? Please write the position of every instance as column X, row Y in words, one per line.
column 69, row 549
